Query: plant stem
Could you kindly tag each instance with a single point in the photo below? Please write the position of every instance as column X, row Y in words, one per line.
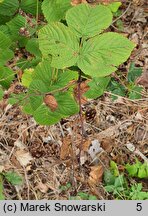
column 81, row 117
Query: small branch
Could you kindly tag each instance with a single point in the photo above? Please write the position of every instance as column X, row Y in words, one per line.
column 122, row 14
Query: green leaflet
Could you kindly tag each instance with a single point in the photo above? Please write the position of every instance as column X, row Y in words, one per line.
column 32, row 46
column 57, row 40
column 114, row 6
column 135, row 92
column 5, row 55
column 44, row 116
column 101, row 55
column 13, row 178
column 1, row 93
column 66, row 104
column 2, row 197
column 5, row 42
column 6, row 76
column 97, row 87
column 134, row 72
column 27, row 77
column 87, row 21
column 8, row 7
column 30, row 6
column 14, row 26
column 55, row 10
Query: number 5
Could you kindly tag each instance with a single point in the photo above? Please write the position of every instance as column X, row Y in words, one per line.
column 139, row 207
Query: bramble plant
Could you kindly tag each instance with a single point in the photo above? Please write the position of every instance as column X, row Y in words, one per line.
column 70, row 48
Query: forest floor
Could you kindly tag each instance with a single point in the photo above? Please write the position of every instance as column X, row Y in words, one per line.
column 47, row 157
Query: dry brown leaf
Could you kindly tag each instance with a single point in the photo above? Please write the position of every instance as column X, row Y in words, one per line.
column 143, row 80
column 83, row 88
column 96, row 174
column 51, row 102
column 107, row 144
column 42, row 187
column 23, row 157
column 65, row 148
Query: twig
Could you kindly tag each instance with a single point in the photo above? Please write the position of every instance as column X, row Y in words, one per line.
column 122, row 14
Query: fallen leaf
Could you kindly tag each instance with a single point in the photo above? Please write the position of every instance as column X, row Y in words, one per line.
column 42, row 187
column 95, row 175
column 83, row 88
column 65, row 148
column 143, row 79
column 23, row 157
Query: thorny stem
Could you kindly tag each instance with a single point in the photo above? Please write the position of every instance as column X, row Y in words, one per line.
column 81, row 118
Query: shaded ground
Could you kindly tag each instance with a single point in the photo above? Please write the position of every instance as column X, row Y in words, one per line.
column 47, row 157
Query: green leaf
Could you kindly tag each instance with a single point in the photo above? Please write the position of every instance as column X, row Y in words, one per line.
column 87, row 21
column 5, row 55
column 1, row 93
column 114, row 168
column 4, row 19
column 13, row 178
column 92, row 197
column 32, row 46
column 97, row 87
column 44, row 116
column 57, row 40
column 27, row 77
column 134, row 72
column 114, row 6
column 6, row 76
column 133, row 169
column 65, row 77
column 143, row 171
column 119, row 182
column 8, row 7
column 136, row 192
column 66, row 104
column 43, row 72
column 135, row 92
column 55, row 10
column 101, row 55
column 110, row 188
column 15, row 25
column 31, row 6
column 5, row 41
column 109, row 178
column 117, row 89
column 2, row 197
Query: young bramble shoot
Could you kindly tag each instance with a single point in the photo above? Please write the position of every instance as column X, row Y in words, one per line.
column 72, row 42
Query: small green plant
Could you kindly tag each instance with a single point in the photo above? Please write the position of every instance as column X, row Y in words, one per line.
column 11, row 177
column 129, row 88
column 138, row 169
column 117, row 184
column 69, row 49
column 83, row 196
